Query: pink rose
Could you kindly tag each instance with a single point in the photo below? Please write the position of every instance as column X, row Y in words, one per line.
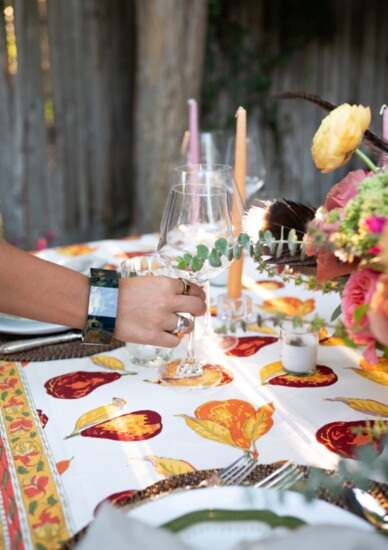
column 328, row 267
column 346, row 189
column 375, row 224
column 358, row 291
column 378, row 310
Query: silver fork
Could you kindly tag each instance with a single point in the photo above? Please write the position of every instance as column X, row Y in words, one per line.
column 282, row 478
column 233, row 474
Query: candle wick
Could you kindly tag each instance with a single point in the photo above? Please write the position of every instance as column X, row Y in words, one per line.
column 297, row 342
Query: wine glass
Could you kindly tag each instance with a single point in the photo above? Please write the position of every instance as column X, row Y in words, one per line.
column 224, row 176
column 211, row 148
column 255, row 169
column 196, row 213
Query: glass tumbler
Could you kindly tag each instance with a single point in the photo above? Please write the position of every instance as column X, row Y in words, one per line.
column 145, row 355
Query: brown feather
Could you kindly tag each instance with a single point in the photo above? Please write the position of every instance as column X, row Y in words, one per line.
column 289, row 215
column 371, row 140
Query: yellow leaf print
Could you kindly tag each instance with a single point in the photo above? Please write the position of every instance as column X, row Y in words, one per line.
column 288, row 306
column 257, row 328
column 332, row 341
column 368, row 406
column 100, row 414
column 373, row 375
column 108, row 362
column 271, row 370
column 382, row 365
column 169, row 466
column 260, row 423
column 209, row 430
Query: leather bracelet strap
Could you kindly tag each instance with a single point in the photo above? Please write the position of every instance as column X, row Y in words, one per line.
column 102, row 311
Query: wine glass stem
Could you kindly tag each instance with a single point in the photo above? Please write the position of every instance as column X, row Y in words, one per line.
column 208, row 314
column 190, row 357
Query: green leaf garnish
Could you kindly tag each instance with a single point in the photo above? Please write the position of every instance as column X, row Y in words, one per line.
column 202, row 251
column 214, row 258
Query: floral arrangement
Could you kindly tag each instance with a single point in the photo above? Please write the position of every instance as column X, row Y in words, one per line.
column 348, row 234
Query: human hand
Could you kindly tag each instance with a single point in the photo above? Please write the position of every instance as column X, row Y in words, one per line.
column 147, row 308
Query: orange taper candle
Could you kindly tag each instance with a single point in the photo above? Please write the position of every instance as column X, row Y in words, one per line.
column 240, row 166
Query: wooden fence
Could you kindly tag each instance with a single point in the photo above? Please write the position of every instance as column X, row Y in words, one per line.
column 93, row 101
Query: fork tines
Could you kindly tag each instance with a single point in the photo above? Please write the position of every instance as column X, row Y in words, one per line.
column 282, row 478
column 238, row 470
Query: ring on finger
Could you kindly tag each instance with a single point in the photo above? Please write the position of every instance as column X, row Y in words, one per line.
column 186, row 286
column 182, row 325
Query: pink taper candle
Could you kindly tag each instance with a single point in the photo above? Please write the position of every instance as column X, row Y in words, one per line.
column 194, row 135
column 240, row 168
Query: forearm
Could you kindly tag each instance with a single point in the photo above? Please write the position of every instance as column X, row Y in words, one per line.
column 37, row 289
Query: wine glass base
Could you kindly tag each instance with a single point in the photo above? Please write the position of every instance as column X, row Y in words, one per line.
column 203, row 377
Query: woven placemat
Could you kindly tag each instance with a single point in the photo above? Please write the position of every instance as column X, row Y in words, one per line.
column 334, row 495
column 52, row 352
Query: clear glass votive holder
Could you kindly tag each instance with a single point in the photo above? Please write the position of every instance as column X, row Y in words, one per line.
column 145, row 355
column 299, row 348
column 234, row 310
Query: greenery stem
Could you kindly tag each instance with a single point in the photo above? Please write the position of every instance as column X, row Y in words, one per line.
column 367, row 160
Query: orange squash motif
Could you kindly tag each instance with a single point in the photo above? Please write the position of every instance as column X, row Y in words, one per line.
column 290, row 306
column 232, row 422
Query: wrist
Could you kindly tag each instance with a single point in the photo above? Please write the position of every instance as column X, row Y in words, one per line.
column 102, row 309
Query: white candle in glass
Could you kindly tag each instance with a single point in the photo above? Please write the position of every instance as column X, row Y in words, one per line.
column 299, row 348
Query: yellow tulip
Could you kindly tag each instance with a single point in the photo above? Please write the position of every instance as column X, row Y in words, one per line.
column 339, row 135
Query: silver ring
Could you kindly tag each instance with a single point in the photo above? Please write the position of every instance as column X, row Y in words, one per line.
column 182, row 325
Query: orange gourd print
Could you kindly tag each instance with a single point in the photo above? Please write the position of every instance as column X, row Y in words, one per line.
column 134, row 426
column 347, row 438
column 288, row 306
column 210, row 373
column 249, row 345
column 232, row 422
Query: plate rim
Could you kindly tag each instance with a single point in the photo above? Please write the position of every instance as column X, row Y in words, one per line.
column 28, row 327
column 148, row 511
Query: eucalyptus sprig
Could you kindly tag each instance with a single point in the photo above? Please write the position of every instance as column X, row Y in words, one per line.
column 265, row 245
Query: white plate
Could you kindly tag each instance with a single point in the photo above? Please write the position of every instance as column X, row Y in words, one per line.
column 203, row 535
column 18, row 325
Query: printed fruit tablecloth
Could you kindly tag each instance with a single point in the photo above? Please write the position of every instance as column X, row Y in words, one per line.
column 75, row 432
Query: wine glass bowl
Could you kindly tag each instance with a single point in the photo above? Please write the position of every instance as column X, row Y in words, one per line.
column 195, row 236
column 221, row 175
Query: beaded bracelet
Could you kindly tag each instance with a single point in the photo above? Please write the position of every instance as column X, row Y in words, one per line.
column 102, row 311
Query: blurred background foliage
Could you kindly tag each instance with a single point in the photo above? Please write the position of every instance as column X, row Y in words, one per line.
column 93, row 100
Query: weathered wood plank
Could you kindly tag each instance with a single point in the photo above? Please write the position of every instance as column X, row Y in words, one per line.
column 170, row 47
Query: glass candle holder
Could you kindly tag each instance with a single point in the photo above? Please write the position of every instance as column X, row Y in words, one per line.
column 299, row 349
column 234, row 310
